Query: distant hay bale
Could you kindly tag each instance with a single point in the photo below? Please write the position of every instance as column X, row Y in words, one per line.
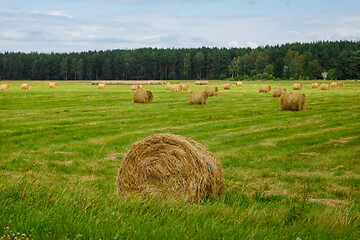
column 165, row 165
column 264, row 88
column 142, row 96
column 278, row 91
column 238, row 84
column 340, row 84
column 315, row 85
column 102, row 85
column 52, row 85
column 201, row 82
column 227, row 86
column 177, row 88
column 293, row 101
column 198, row 98
column 297, row 86
column 211, row 91
column 185, row 87
column 168, row 87
column 325, row 86
column 25, row 86
column 334, row 84
column 4, row 87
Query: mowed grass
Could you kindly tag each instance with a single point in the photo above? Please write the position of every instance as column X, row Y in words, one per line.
column 288, row 174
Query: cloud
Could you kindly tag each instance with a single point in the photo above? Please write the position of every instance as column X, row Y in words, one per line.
column 60, row 14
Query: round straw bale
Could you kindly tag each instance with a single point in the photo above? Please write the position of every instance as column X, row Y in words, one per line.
column 340, row 84
column 278, row 91
column 297, row 86
column 168, row 87
column 198, row 98
column 293, row 101
column 52, row 85
column 4, row 87
column 264, row 88
column 238, row 83
column 227, row 86
column 142, row 96
column 315, row 85
column 166, row 164
column 177, row 88
column 25, row 86
column 185, row 87
column 102, row 85
column 201, row 82
column 325, row 86
column 334, row 84
column 211, row 91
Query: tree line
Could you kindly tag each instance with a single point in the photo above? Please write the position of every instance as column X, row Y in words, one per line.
column 340, row 59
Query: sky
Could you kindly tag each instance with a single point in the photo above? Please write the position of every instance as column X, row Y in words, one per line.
column 88, row 25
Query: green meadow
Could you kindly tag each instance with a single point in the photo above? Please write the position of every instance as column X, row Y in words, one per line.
column 288, row 175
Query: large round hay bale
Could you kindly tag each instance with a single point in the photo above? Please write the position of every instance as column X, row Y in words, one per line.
column 4, row 87
column 264, row 88
column 340, row 84
column 185, row 87
column 297, row 86
column 198, row 98
column 168, row 87
column 278, row 91
column 293, row 101
column 325, row 86
column 102, row 85
column 52, row 85
column 227, row 86
column 238, row 84
column 177, row 88
column 315, row 85
column 166, row 164
column 142, row 96
column 211, row 91
column 334, row 84
column 25, row 86
column 201, row 82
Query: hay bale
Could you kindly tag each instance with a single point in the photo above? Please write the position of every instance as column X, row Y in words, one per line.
column 227, row 86
column 168, row 87
column 340, row 84
column 52, row 85
column 25, row 86
column 102, row 85
column 211, row 91
column 293, row 101
column 166, row 164
column 315, row 85
column 198, row 98
column 142, row 96
column 325, row 86
column 278, row 91
column 238, row 84
column 334, row 84
column 201, row 82
column 177, row 88
column 185, row 87
column 264, row 88
column 4, row 87
column 297, row 86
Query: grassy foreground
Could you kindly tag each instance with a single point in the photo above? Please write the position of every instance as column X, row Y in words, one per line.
column 288, row 175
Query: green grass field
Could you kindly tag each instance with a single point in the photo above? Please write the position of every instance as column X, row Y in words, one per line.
column 288, row 175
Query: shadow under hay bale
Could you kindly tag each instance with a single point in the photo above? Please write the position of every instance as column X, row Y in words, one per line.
column 278, row 91
column 211, row 91
column 25, row 86
column 293, row 101
column 264, row 88
column 227, row 86
column 142, row 96
column 4, row 87
column 297, row 86
column 166, row 164
column 325, row 86
column 198, row 98
column 315, row 85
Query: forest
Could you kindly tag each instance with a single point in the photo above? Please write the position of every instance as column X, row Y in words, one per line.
column 340, row 59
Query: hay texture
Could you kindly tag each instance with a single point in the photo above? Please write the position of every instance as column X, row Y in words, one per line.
column 52, row 85
column 201, row 82
column 293, row 101
column 264, row 88
column 25, row 86
column 278, row 91
column 168, row 87
column 102, row 86
column 297, row 86
column 4, row 87
column 137, row 87
column 211, row 91
column 142, row 96
column 177, row 88
column 238, row 84
column 166, row 164
column 325, row 86
column 340, row 84
column 315, row 85
column 334, row 84
column 185, row 87
column 227, row 86
column 198, row 98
